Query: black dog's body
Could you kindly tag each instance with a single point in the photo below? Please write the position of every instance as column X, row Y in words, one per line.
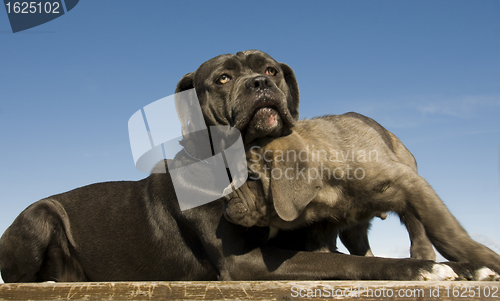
column 136, row 231
column 130, row 234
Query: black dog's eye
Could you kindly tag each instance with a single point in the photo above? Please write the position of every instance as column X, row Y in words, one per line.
column 271, row 71
column 224, row 78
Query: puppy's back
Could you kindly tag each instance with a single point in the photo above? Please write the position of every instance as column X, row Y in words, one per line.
column 352, row 130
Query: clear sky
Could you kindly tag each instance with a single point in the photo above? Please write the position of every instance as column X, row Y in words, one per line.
column 427, row 71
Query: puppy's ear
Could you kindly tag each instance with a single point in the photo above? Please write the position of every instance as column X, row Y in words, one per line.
column 186, row 83
column 294, row 184
column 293, row 86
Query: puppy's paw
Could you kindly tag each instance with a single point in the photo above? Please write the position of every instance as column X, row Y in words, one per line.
column 439, row 272
column 473, row 272
column 485, row 274
column 238, row 213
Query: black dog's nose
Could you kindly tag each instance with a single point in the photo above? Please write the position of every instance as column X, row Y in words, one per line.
column 259, row 82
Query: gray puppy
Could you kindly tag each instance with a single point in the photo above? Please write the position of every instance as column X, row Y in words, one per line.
column 346, row 169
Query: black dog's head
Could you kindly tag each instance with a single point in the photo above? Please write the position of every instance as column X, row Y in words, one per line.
column 249, row 91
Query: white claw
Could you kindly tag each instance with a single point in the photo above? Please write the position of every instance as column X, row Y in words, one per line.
column 485, row 274
column 440, row 272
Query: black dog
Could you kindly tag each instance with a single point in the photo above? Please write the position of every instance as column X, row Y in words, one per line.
column 135, row 230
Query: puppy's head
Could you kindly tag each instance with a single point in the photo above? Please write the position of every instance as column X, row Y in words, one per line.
column 249, row 91
column 287, row 183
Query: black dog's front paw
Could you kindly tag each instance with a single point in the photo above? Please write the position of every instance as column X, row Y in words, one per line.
column 438, row 272
column 473, row 272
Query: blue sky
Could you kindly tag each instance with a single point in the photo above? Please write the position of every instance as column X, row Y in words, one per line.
column 428, row 71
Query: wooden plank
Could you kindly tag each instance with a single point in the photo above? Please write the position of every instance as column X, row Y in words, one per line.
column 253, row 290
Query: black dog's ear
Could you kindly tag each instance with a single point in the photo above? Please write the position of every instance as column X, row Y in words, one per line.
column 184, row 105
column 293, row 86
column 186, row 83
column 294, row 184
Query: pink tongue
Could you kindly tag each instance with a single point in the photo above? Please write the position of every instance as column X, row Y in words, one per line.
column 271, row 120
column 268, row 116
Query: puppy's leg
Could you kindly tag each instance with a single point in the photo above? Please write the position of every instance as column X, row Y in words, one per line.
column 247, row 206
column 355, row 239
column 450, row 239
column 321, row 237
column 421, row 246
column 36, row 246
